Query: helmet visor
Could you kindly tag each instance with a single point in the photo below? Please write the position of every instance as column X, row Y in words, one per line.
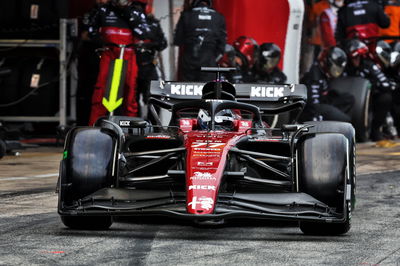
column 394, row 59
column 335, row 70
column 383, row 55
column 270, row 59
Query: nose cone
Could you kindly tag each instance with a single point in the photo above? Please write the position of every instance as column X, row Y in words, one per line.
column 205, row 164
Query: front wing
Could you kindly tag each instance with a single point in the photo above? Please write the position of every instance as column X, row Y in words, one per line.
column 276, row 206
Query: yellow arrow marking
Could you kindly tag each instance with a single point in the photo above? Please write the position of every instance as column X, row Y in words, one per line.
column 113, row 103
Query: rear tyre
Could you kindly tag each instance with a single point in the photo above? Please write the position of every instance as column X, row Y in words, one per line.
column 361, row 115
column 322, row 172
column 87, row 167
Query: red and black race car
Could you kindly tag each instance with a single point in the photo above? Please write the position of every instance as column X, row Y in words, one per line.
column 223, row 155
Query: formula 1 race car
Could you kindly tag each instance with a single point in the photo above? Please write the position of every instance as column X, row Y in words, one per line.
column 218, row 158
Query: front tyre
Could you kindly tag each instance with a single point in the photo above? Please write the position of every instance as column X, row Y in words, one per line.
column 348, row 131
column 88, row 166
column 323, row 174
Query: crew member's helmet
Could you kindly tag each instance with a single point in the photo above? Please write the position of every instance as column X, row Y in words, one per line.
column 269, row 56
column 224, row 120
column 395, row 55
column 142, row 5
column 355, row 48
column 247, row 47
column 197, row 3
column 383, row 51
column 228, row 60
column 333, row 61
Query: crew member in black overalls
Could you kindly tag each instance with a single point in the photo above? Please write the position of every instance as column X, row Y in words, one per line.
column 146, row 51
column 201, row 33
column 360, row 65
column 360, row 19
column 324, row 103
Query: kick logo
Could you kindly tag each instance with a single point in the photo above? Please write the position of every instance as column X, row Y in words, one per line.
column 267, row 92
column 124, row 123
column 201, row 187
column 205, row 203
column 189, row 90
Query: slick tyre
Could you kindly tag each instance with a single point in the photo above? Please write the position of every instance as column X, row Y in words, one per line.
column 360, row 113
column 349, row 132
column 86, row 168
column 322, row 174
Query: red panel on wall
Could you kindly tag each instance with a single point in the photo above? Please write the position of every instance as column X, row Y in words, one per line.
column 263, row 20
column 78, row 7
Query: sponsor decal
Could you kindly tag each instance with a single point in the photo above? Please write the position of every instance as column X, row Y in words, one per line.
column 208, row 150
column 204, row 202
column 209, row 145
column 189, row 90
column 123, row 123
column 204, row 17
column 245, row 124
column 208, row 155
column 186, row 123
column 158, row 137
column 267, row 91
column 202, row 176
column 195, row 168
column 201, row 187
column 214, row 100
column 359, row 12
column 205, row 163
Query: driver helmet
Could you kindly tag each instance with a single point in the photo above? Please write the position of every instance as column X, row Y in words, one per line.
column 247, row 47
column 269, row 56
column 224, row 120
column 333, row 61
column 383, row 51
column 356, row 48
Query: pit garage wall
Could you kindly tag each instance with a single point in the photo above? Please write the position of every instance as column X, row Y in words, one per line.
column 278, row 21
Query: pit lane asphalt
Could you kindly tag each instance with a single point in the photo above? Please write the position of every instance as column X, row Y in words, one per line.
column 32, row 234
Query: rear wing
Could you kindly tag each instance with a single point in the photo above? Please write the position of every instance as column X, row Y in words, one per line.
column 257, row 92
column 271, row 99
